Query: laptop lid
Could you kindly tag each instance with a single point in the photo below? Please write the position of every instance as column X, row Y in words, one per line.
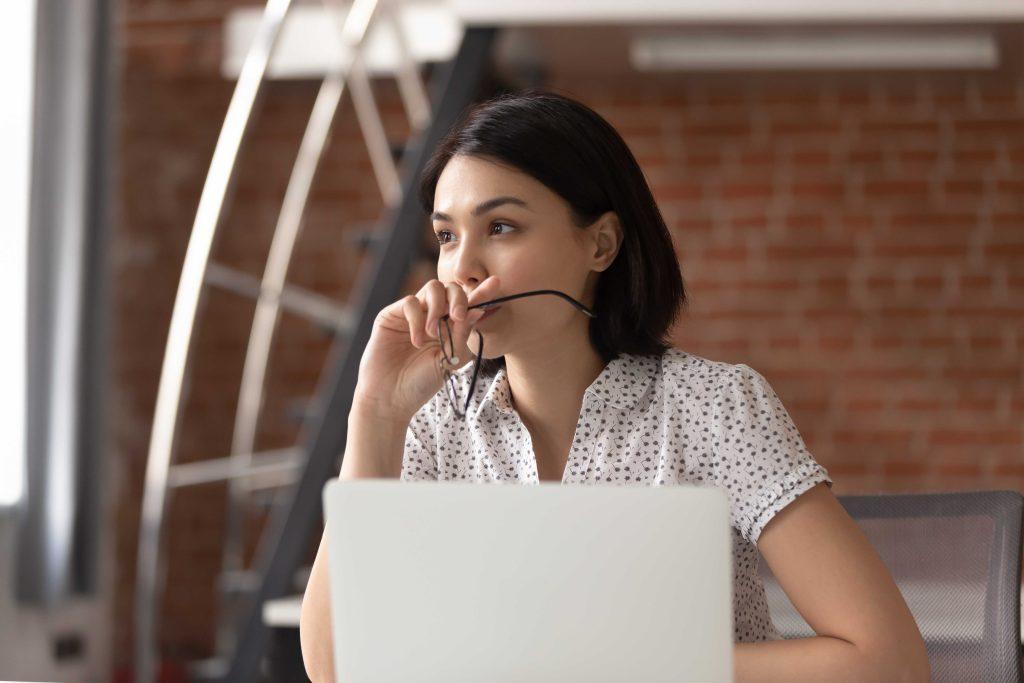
column 459, row 581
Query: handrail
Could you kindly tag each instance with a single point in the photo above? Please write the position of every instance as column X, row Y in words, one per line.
column 268, row 306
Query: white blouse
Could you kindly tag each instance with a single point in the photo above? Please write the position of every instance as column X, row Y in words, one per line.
column 646, row 420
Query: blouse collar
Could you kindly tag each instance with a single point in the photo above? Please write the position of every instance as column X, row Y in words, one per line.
column 622, row 384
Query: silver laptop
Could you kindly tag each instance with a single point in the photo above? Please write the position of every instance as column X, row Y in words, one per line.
column 458, row 581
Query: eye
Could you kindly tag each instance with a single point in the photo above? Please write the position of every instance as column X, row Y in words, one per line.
column 442, row 239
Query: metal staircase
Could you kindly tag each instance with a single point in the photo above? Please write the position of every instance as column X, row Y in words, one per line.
column 295, row 475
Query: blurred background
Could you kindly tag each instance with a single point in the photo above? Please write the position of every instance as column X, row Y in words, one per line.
column 844, row 182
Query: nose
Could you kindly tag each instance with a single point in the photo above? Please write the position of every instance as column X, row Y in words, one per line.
column 466, row 267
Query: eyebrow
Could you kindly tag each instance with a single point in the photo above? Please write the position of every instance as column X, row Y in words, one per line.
column 483, row 207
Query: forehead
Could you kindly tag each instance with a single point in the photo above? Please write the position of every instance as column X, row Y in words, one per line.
column 466, row 181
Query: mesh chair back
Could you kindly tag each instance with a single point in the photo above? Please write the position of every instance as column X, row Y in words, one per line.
column 956, row 560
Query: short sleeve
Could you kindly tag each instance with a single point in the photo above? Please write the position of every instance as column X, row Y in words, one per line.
column 762, row 462
column 419, row 458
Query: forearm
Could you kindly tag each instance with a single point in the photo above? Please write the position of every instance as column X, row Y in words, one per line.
column 373, row 446
column 315, row 621
column 373, row 449
column 819, row 658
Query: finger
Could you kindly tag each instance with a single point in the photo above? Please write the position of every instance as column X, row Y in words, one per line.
column 485, row 291
column 458, row 303
column 412, row 309
column 460, row 332
column 437, row 305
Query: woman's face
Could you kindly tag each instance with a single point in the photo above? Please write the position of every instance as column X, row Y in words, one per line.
column 491, row 219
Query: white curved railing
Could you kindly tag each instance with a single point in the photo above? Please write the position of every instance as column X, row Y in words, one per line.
column 160, row 478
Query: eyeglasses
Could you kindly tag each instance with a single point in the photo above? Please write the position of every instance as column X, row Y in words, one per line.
column 450, row 358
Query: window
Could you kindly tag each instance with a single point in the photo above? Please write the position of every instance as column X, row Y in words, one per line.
column 17, row 47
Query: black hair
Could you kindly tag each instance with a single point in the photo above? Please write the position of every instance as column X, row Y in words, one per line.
column 573, row 151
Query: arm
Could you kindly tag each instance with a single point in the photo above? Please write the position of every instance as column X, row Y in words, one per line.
column 841, row 587
column 373, row 449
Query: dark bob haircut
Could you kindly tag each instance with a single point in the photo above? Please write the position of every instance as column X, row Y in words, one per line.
column 579, row 156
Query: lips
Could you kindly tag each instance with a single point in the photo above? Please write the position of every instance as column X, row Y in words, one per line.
column 490, row 312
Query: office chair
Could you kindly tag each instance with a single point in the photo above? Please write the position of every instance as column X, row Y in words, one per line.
column 956, row 560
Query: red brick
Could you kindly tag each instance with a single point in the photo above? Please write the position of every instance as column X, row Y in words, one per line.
column 784, row 342
column 896, row 468
column 831, row 191
column 920, row 405
column 984, row 405
column 902, row 189
column 1000, row 250
column 885, row 374
column 981, row 312
column 848, row 469
column 747, row 190
column 867, row 157
column 921, row 250
column 971, row 437
column 925, row 217
column 689, row 191
column 964, row 186
column 976, row 374
column 716, row 130
column 830, row 343
column 748, row 158
column 702, row 158
column 789, row 129
column 958, row 470
column 1009, row 469
column 802, row 98
column 789, row 285
column 900, row 128
column 817, row 252
column 811, row 158
column 963, row 158
column 969, row 282
column 1008, row 126
column 887, row 343
column 866, row 405
column 691, row 225
column 738, row 254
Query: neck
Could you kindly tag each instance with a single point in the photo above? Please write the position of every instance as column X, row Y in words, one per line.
column 548, row 385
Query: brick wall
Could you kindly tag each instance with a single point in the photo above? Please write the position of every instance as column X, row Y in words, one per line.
column 859, row 241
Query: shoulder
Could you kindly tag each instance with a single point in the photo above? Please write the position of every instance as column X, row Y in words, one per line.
column 692, row 374
column 719, row 395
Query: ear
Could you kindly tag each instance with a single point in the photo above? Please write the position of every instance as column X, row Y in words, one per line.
column 605, row 240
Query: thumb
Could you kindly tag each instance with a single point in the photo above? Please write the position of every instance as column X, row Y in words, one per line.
column 461, row 331
column 485, row 291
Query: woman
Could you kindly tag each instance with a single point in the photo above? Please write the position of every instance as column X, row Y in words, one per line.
column 535, row 191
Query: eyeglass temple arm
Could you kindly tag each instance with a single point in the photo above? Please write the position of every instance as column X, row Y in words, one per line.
column 480, row 350
column 563, row 295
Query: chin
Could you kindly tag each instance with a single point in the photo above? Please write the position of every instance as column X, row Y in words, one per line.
column 492, row 356
column 490, row 350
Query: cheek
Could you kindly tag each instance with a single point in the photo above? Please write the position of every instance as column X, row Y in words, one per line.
column 560, row 270
column 526, row 265
column 445, row 268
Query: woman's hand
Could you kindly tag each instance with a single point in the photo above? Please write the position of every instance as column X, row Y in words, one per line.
column 401, row 367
